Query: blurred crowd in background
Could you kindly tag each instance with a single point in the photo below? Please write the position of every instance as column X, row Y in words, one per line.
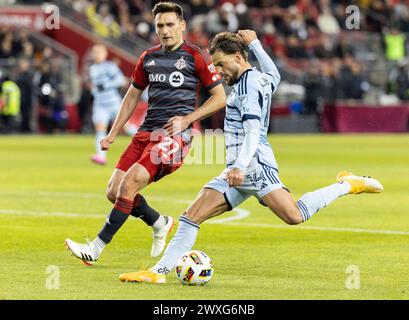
column 309, row 40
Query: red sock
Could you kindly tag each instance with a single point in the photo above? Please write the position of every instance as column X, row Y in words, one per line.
column 123, row 205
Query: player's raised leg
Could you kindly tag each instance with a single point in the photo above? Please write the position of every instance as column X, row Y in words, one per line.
column 292, row 212
column 208, row 204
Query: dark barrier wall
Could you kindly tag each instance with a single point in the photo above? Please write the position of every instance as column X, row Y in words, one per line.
column 364, row 118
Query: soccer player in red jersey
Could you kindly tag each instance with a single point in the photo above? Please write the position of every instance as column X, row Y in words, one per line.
column 174, row 72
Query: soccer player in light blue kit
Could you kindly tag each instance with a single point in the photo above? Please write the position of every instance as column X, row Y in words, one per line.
column 106, row 79
column 251, row 166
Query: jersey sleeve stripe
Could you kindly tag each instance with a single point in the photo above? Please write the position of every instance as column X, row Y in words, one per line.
column 250, row 117
column 245, row 82
column 232, row 120
column 137, row 86
column 260, row 100
column 211, row 86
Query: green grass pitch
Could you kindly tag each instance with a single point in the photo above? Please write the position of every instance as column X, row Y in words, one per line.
column 357, row 248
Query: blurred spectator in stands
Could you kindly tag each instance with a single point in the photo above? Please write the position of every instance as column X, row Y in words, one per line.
column 295, row 49
column 330, row 80
column 47, row 53
column 399, row 80
column 325, row 48
column 85, row 107
column 395, row 44
column 326, row 20
column 52, row 114
column 343, row 47
column 20, row 37
column 222, row 18
column 136, row 7
column 314, row 40
column 25, row 82
column 27, row 50
column 103, row 21
column 197, row 36
column 352, row 81
column 243, row 16
column 200, row 7
column 377, row 16
column 402, row 16
column 143, row 30
column 9, row 104
column 340, row 15
column 313, row 84
column 273, row 43
column 293, row 23
column 6, row 48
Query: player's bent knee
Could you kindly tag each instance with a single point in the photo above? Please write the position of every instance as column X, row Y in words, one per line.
column 130, row 185
column 292, row 217
column 193, row 216
column 111, row 195
column 126, row 189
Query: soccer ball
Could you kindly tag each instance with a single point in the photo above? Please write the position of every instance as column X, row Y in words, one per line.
column 194, row 268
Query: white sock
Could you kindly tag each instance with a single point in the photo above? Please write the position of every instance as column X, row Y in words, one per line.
column 160, row 223
column 311, row 202
column 99, row 135
column 183, row 241
column 97, row 246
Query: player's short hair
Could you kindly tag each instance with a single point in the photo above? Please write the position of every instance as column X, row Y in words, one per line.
column 229, row 43
column 163, row 7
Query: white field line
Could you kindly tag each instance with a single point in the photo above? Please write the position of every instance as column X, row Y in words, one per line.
column 318, row 228
column 241, row 213
column 227, row 221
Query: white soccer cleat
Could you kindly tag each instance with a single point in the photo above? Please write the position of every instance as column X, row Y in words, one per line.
column 83, row 252
column 360, row 184
column 159, row 238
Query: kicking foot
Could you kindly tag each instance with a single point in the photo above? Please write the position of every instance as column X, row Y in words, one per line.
column 360, row 184
column 159, row 237
column 143, row 276
column 83, row 252
column 98, row 159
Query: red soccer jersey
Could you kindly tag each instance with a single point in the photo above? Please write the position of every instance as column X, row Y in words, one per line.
column 174, row 79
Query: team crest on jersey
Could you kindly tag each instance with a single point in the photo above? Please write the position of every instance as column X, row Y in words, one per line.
column 180, row 64
column 150, row 63
column 211, row 68
column 243, row 100
column 264, row 82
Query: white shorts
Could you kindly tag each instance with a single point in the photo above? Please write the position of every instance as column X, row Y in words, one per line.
column 257, row 182
column 104, row 114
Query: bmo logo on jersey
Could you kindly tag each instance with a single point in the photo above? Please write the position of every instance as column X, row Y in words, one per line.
column 157, row 77
column 176, row 79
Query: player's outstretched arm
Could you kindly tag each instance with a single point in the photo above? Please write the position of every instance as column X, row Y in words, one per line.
column 216, row 102
column 127, row 108
column 267, row 65
column 235, row 176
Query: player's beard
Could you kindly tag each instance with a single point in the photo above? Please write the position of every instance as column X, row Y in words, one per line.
column 231, row 80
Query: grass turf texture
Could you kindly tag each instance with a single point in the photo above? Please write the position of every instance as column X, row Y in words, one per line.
column 49, row 190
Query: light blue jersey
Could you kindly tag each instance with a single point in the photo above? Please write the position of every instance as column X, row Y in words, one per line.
column 246, row 126
column 106, row 79
column 250, row 99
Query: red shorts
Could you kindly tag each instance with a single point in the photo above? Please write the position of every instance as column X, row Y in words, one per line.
column 159, row 154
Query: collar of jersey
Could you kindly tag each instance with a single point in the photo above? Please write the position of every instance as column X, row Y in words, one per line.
column 164, row 50
column 241, row 76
